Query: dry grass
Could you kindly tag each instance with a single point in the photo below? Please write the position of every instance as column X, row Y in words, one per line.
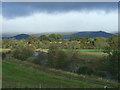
column 42, row 50
column 101, row 54
column 4, row 50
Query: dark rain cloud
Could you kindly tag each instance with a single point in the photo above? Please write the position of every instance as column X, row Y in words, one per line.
column 16, row 9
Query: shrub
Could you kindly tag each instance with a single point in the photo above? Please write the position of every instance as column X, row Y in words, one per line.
column 74, row 61
column 23, row 52
column 41, row 59
column 114, row 64
column 30, row 60
column 101, row 74
column 57, row 59
column 85, row 70
column 3, row 55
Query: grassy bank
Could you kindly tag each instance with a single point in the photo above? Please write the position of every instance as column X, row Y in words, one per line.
column 23, row 74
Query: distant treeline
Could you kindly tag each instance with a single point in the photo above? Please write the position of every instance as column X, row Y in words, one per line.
column 44, row 41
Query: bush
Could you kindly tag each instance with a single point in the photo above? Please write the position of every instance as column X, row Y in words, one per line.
column 3, row 55
column 57, row 59
column 101, row 74
column 23, row 52
column 31, row 60
column 114, row 64
column 41, row 59
column 74, row 62
column 85, row 70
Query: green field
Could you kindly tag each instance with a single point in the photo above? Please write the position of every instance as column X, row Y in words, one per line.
column 87, row 50
column 23, row 74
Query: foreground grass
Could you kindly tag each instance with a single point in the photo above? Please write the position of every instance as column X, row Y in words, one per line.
column 0, row 72
column 23, row 74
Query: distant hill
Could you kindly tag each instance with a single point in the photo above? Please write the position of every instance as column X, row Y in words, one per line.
column 23, row 36
column 117, row 33
column 20, row 36
column 48, row 33
column 66, row 35
column 90, row 34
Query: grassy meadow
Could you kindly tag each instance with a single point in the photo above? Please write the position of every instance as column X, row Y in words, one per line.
column 23, row 74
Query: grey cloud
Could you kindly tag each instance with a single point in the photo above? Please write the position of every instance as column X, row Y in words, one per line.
column 16, row 9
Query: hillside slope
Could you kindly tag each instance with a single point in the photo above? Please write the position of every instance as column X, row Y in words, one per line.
column 19, row 36
column 90, row 34
column 23, row 74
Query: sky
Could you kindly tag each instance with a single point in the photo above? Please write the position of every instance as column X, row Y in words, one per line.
column 40, row 17
column 0, row 19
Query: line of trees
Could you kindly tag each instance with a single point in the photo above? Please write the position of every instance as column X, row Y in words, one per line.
column 51, row 37
column 44, row 41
